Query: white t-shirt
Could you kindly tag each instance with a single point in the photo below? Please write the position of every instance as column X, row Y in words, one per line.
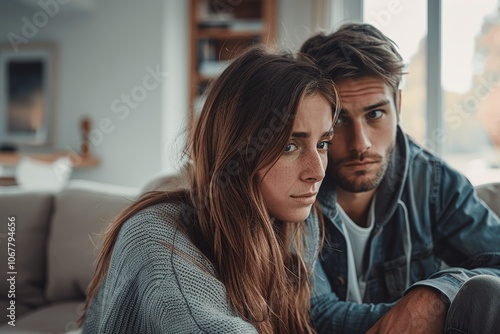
column 356, row 239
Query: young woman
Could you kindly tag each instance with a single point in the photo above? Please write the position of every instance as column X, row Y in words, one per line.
column 232, row 254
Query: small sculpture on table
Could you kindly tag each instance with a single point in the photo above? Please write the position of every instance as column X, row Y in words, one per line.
column 85, row 144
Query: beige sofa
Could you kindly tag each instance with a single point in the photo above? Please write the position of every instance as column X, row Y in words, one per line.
column 55, row 250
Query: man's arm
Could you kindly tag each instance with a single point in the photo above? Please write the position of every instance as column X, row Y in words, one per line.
column 466, row 234
column 422, row 310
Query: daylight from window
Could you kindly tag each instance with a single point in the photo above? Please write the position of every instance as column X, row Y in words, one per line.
column 470, row 77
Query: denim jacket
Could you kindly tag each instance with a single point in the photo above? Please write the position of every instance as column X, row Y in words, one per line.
column 430, row 229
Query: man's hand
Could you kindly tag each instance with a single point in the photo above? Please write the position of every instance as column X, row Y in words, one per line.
column 422, row 310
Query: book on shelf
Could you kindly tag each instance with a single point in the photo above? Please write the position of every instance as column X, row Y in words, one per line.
column 246, row 25
column 213, row 24
column 234, row 25
column 206, row 49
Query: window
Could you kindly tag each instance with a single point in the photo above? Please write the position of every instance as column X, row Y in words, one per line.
column 470, row 74
column 392, row 18
column 460, row 117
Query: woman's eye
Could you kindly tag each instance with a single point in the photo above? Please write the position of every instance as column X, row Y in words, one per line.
column 374, row 114
column 290, row 148
column 324, row 144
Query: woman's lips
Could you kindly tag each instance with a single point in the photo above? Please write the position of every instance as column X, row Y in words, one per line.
column 305, row 198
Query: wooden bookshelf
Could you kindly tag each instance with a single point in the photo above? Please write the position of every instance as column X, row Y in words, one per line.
column 220, row 31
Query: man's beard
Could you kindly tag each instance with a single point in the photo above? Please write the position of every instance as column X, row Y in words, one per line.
column 355, row 183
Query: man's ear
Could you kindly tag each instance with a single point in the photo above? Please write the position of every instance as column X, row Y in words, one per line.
column 398, row 105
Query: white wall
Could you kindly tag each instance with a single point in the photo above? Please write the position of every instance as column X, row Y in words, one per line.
column 105, row 53
column 175, row 92
column 294, row 23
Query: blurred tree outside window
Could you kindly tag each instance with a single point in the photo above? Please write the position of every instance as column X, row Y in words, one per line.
column 470, row 78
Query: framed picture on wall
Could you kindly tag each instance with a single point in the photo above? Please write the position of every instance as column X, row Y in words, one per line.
column 27, row 94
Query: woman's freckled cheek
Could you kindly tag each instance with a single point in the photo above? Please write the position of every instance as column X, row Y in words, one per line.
column 288, row 176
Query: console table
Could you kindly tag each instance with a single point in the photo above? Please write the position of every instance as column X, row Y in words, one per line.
column 12, row 159
column 8, row 159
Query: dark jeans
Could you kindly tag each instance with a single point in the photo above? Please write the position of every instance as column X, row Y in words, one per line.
column 476, row 308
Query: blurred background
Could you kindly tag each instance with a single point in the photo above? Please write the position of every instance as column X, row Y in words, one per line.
column 450, row 95
column 114, row 85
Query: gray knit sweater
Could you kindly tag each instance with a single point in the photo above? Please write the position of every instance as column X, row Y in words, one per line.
column 150, row 288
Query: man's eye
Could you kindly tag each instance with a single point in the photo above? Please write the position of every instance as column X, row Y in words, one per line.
column 374, row 114
column 290, row 148
column 341, row 119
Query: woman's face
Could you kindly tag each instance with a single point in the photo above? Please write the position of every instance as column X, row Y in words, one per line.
column 289, row 187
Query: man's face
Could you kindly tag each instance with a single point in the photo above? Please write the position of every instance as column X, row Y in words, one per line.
column 364, row 135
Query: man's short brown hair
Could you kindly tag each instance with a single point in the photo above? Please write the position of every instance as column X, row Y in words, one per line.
column 355, row 51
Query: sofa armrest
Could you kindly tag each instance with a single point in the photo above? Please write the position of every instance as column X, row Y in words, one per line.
column 31, row 211
column 490, row 194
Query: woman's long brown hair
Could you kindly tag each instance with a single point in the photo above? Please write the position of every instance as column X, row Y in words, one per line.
column 243, row 128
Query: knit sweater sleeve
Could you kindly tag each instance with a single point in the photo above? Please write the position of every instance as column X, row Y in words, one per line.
column 159, row 282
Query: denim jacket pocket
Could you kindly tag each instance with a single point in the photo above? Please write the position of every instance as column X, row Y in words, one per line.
column 394, row 272
column 423, row 264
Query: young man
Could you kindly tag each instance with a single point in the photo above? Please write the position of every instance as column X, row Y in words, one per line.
column 409, row 247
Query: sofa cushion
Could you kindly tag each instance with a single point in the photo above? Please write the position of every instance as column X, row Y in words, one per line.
column 490, row 194
column 81, row 213
column 56, row 318
column 32, row 211
column 21, row 310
